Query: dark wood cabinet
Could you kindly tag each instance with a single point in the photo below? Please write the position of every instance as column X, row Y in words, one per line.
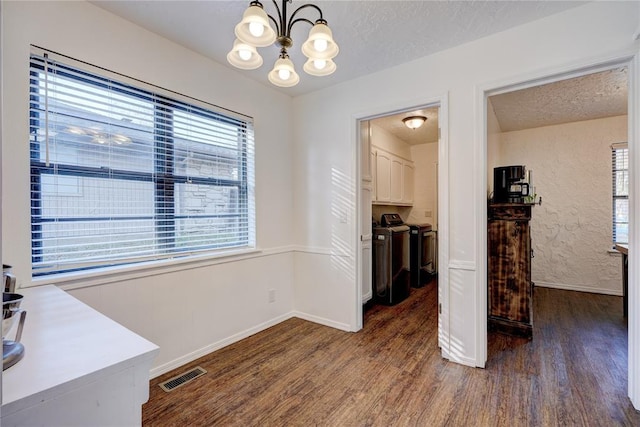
column 510, row 290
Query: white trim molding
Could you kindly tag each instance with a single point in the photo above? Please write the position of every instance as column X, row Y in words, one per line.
column 444, row 209
column 456, row 264
column 633, row 320
column 321, row 251
column 153, row 268
column 322, row 321
column 577, row 288
column 190, row 357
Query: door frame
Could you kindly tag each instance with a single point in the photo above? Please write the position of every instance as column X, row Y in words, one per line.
column 442, row 102
column 631, row 60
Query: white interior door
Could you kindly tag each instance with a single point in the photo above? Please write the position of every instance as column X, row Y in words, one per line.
column 366, row 198
column 366, row 248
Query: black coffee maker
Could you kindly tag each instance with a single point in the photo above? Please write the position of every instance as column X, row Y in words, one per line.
column 509, row 185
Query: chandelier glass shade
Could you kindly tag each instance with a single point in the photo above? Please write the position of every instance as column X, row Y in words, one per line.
column 255, row 30
column 319, row 67
column 244, row 56
column 254, row 27
column 320, row 43
column 283, row 73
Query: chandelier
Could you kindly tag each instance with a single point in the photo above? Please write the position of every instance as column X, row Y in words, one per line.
column 254, row 31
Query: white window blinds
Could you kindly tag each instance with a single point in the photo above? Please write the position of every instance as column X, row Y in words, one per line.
column 124, row 172
column 620, row 181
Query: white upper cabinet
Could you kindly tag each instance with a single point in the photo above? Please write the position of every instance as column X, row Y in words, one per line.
column 366, row 150
column 374, row 167
column 392, row 179
column 396, row 180
column 383, row 176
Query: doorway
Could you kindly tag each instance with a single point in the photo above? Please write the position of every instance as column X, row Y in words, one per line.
column 625, row 64
column 563, row 133
column 415, row 192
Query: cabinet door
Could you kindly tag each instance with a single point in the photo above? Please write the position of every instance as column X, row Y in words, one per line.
column 407, row 182
column 396, row 180
column 383, row 177
column 374, row 179
column 509, row 270
column 365, row 151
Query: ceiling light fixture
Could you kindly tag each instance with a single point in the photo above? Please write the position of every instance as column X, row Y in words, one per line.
column 414, row 122
column 254, row 31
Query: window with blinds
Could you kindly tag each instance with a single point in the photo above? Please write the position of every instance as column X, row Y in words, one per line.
column 124, row 172
column 620, row 180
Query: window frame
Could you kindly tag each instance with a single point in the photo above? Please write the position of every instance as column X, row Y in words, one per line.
column 163, row 176
column 615, row 197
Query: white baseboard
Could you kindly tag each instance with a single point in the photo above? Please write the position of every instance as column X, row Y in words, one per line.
column 322, row 321
column 578, row 288
column 466, row 361
column 190, row 357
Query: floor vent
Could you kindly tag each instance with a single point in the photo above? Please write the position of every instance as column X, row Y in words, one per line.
column 182, row 379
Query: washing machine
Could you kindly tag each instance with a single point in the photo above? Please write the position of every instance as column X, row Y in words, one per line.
column 391, row 276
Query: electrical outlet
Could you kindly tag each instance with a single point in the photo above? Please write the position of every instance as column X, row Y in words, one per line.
column 272, row 295
column 427, row 214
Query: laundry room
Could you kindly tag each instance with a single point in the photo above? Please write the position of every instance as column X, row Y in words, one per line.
column 403, row 165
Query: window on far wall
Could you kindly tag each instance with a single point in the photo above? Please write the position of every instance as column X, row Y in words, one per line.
column 124, row 172
column 620, row 180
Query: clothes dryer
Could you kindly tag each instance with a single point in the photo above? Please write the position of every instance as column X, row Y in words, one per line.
column 423, row 254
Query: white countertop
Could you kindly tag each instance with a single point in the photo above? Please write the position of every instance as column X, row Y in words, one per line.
column 67, row 345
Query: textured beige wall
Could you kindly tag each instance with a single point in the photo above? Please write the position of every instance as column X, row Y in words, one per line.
column 571, row 230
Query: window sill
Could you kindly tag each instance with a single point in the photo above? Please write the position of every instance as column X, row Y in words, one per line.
column 102, row 276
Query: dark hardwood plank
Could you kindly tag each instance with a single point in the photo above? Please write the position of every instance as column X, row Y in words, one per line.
column 573, row 372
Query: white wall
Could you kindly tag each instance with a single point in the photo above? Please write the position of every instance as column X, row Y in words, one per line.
column 325, row 142
column 380, row 138
column 493, row 145
column 425, row 194
column 571, row 231
column 193, row 308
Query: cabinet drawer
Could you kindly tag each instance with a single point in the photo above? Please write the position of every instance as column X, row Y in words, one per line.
column 509, row 212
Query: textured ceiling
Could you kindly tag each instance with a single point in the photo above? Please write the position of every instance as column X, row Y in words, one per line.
column 426, row 133
column 593, row 96
column 588, row 97
column 372, row 35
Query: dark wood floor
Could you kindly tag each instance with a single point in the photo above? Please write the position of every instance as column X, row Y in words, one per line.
column 573, row 373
